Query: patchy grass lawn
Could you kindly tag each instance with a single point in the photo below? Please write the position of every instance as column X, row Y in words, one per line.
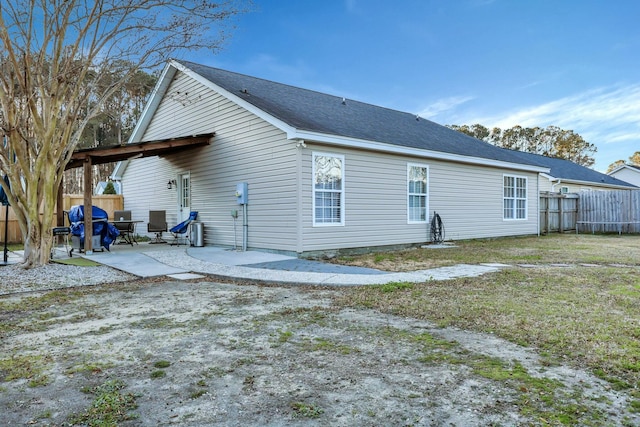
column 585, row 315
column 160, row 352
column 566, row 248
column 80, row 262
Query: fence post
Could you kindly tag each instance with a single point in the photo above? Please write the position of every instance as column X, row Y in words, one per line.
column 561, row 201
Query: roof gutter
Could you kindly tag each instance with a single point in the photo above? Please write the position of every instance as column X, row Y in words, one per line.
column 601, row 184
column 297, row 135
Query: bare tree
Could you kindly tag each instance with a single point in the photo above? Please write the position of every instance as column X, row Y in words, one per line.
column 112, row 125
column 55, row 57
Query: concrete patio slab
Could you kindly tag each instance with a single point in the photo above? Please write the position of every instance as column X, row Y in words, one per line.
column 230, row 257
column 135, row 263
column 186, row 276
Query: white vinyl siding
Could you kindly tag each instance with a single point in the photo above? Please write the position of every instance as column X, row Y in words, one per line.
column 244, row 149
column 281, row 211
column 328, row 189
column 628, row 174
column 467, row 197
column 417, row 193
column 514, row 197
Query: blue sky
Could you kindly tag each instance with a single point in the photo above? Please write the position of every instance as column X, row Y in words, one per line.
column 569, row 63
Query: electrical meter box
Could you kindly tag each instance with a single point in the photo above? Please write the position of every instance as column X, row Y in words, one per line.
column 242, row 193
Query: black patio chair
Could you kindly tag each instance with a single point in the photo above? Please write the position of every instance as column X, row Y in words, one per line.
column 157, row 224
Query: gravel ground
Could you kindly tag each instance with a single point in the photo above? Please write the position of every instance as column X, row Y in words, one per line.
column 16, row 279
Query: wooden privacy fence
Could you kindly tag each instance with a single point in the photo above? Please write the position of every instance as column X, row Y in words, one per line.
column 558, row 212
column 108, row 202
column 609, row 211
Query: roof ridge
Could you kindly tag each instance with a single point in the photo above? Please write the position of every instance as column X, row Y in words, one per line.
column 343, row 98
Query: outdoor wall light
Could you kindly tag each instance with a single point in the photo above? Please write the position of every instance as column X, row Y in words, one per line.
column 171, row 184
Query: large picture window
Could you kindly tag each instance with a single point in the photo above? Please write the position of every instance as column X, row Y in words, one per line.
column 328, row 189
column 417, row 193
column 514, row 197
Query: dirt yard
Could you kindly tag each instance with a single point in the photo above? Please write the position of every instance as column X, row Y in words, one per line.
column 201, row 353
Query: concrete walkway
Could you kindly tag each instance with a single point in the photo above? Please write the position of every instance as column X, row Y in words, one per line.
column 147, row 260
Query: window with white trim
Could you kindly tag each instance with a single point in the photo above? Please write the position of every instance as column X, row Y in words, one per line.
column 328, row 189
column 514, row 197
column 417, row 193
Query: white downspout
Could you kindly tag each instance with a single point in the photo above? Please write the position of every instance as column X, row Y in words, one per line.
column 553, row 186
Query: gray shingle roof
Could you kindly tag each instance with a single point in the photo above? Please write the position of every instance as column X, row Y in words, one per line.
column 307, row 110
column 565, row 169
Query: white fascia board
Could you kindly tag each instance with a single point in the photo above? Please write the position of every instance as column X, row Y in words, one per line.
column 300, row 135
column 152, row 105
column 598, row 184
column 147, row 114
column 610, row 173
column 118, row 171
column 621, row 167
column 398, row 149
column 236, row 99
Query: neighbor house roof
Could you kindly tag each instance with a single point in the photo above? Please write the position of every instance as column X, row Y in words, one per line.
column 309, row 115
column 634, row 168
column 569, row 171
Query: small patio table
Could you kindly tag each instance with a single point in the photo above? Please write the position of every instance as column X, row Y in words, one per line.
column 127, row 229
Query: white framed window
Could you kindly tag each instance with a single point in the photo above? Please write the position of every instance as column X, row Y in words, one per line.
column 328, row 189
column 514, row 198
column 417, row 193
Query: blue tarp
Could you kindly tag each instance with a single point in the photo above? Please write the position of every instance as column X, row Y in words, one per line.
column 101, row 227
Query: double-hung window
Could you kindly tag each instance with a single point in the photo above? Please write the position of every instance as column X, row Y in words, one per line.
column 514, row 199
column 417, row 193
column 328, row 189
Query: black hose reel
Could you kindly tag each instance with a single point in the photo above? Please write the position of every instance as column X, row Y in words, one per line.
column 437, row 229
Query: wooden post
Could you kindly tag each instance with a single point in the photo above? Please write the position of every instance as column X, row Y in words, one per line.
column 59, row 206
column 88, row 212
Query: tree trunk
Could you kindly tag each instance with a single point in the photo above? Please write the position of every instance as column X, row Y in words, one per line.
column 37, row 248
column 40, row 221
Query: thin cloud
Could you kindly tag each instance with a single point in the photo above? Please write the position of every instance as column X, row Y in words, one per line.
column 443, row 105
column 604, row 115
column 351, row 5
column 481, row 3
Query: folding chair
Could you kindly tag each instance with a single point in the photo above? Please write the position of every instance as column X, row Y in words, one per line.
column 157, row 224
column 180, row 231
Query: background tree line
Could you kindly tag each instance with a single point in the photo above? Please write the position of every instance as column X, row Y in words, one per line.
column 551, row 141
column 66, row 68
column 112, row 124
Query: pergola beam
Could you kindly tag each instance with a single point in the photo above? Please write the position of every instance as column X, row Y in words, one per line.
column 86, row 158
column 102, row 155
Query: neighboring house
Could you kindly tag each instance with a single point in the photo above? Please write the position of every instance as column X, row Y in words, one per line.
column 628, row 173
column 99, row 189
column 565, row 176
column 323, row 172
